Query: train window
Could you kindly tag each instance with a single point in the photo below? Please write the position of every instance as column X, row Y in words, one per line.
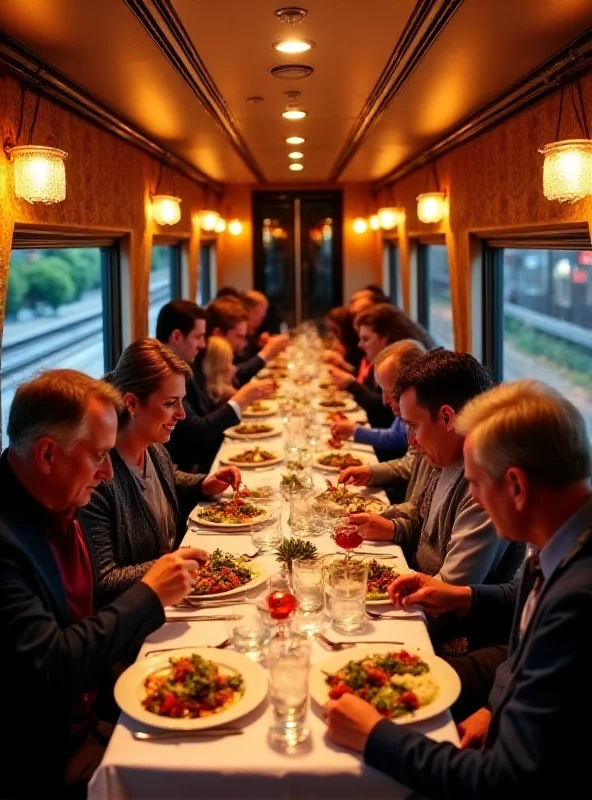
column 61, row 312
column 165, row 280
column 434, row 300
column 207, row 259
column 543, row 318
column 393, row 273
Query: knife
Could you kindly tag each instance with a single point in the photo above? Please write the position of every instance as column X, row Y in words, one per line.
column 210, row 618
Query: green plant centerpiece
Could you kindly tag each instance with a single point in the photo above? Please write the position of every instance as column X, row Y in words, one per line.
column 292, row 549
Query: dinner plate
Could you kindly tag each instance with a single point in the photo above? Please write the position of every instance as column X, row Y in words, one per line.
column 379, row 505
column 260, row 576
column 442, row 673
column 229, row 526
column 272, row 408
column 229, row 457
column 233, row 433
column 386, row 562
column 349, row 404
column 130, row 691
column 354, row 453
column 356, row 420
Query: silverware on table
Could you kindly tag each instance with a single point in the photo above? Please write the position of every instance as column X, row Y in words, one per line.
column 222, row 646
column 197, row 603
column 337, row 646
column 374, row 555
column 217, row 733
column 208, row 618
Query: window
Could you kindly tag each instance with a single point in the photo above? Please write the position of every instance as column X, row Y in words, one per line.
column 165, row 280
column 542, row 318
column 393, row 273
column 206, row 265
column 434, row 299
column 62, row 311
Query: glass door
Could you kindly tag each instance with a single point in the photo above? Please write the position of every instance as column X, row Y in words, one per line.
column 298, row 258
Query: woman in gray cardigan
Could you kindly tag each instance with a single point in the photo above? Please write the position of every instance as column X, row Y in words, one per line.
column 141, row 514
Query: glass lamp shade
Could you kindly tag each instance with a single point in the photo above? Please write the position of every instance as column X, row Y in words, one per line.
column 235, row 227
column 567, row 170
column 166, row 209
column 209, row 220
column 360, row 225
column 431, row 206
column 39, row 174
column 388, row 218
column 374, row 222
column 220, row 225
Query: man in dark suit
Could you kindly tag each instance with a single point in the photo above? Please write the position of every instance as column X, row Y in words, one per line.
column 57, row 646
column 528, row 460
column 196, row 439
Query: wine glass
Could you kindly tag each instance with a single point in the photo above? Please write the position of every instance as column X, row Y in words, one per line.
column 281, row 600
column 348, row 537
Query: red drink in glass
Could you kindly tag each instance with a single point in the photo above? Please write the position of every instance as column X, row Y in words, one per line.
column 348, row 537
column 281, row 605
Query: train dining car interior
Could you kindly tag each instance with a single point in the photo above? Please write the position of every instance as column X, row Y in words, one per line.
column 295, row 397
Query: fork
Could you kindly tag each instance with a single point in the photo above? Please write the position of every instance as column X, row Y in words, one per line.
column 337, row 646
column 222, row 646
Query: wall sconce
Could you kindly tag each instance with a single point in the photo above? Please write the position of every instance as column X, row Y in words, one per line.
column 388, row 217
column 374, row 222
column 208, row 220
column 220, row 225
column 235, row 227
column 166, row 209
column 39, row 172
column 432, row 206
column 360, row 225
column 567, row 167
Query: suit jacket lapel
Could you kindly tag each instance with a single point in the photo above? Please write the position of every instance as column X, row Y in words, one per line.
column 37, row 548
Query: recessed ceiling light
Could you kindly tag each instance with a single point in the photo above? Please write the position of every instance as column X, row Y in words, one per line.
column 296, row 167
column 293, row 46
column 292, row 112
column 295, row 140
column 295, row 155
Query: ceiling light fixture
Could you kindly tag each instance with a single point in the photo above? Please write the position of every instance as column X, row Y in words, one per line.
column 374, row 222
column 293, row 46
column 295, row 140
column 360, row 225
column 432, row 206
column 166, row 208
column 220, row 225
column 235, row 227
column 293, row 111
column 295, row 155
column 296, row 167
column 208, row 220
column 291, row 15
column 388, row 217
column 567, row 168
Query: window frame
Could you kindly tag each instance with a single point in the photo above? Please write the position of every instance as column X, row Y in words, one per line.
column 207, row 248
column 392, row 265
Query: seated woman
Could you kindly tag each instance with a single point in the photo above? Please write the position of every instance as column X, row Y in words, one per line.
column 340, row 327
column 141, row 514
column 218, row 370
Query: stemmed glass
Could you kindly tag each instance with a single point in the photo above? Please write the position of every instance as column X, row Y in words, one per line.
column 348, row 537
column 281, row 600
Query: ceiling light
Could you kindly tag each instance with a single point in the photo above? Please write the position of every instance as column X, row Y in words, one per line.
column 296, row 167
column 293, row 46
column 431, row 207
column 567, row 170
column 295, row 140
column 389, row 218
column 360, row 225
column 293, row 111
column 166, row 209
column 235, row 227
column 220, row 225
column 208, row 220
column 295, row 155
column 375, row 222
column 291, row 15
column 39, row 173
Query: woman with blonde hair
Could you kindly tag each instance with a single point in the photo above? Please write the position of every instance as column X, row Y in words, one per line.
column 219, row 370
column 141, row 514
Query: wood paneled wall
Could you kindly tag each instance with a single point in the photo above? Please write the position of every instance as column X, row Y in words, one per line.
column 494, row 183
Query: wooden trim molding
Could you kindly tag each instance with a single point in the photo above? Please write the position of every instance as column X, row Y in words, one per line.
column 173, row 40
column 428, row 20
column 557, row 70
column 47, row 80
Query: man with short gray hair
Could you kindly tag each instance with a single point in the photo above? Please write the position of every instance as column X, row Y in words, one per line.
column 57, row 647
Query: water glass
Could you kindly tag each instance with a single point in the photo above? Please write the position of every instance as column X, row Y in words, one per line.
column 250, row 633
column 288, row 661
column 307, row 580
column 345, row 593
column 303, row 519
column 267, row 536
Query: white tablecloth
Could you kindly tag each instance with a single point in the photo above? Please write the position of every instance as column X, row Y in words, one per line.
column 249, row 766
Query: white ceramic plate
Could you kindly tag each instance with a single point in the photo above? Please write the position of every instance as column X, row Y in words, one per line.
column 230, row 457
column 271, row 408
column 130, row 691
column 386, row 562
column 356, row 419
column 377, row 508
column 442, row 673
column 263, row 517
column 349, row 404
column 234, row 433
column 354, row 453
column 260, row 576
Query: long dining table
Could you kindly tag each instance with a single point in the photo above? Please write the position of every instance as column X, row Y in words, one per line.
column 250, row 766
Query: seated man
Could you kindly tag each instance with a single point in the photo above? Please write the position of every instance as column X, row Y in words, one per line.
column 528, row 461
column 196, row 439
column 228, row 317
column 257, row 305
column 56, row 647
column 450, row 535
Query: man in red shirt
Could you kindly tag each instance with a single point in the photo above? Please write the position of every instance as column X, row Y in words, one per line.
column 57, row 646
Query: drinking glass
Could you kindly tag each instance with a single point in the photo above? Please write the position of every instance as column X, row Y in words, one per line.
column 345, row 593
column 250, row 633
column 281, row 601
column 288, row 661
column 307, row 580
column 266, row 536
column 303, row 518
